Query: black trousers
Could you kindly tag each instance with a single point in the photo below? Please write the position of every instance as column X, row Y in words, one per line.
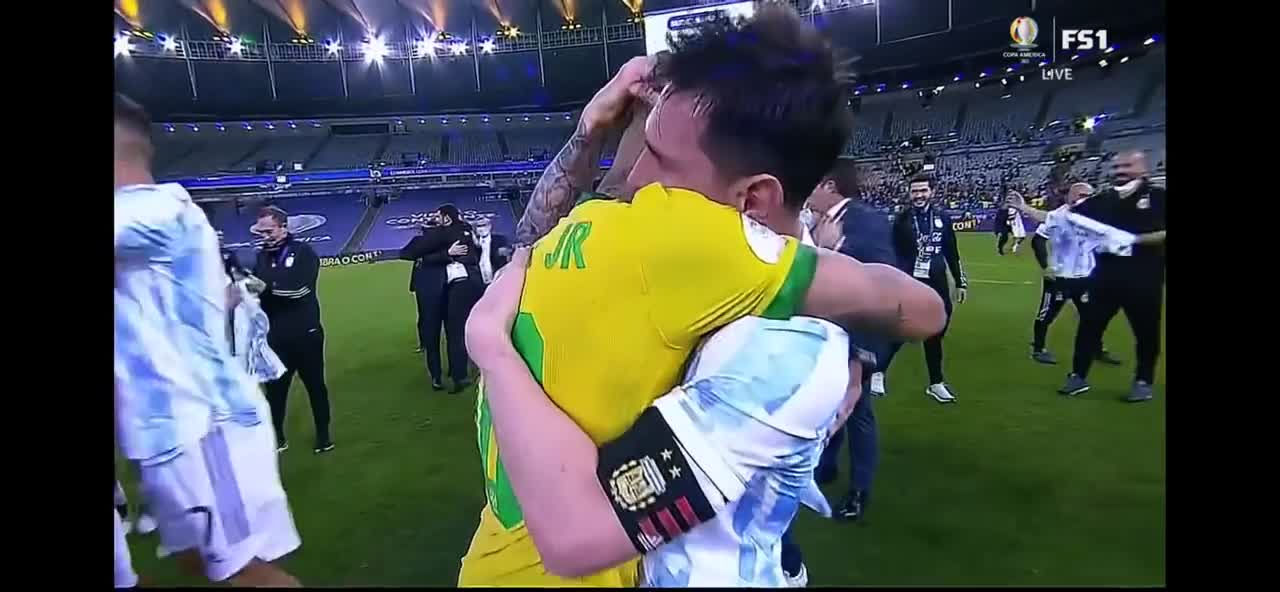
column 459, row 297
column 302, row 354
column 933, row 345
column 1002, row 239
column 431, row 309
column 1139, row 292
column 1054, row 295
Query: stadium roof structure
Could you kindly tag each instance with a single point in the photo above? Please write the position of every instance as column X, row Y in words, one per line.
column 245, row 59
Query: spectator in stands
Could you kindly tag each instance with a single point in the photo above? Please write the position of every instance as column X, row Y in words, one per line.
column 447, row 281
column 290, row 269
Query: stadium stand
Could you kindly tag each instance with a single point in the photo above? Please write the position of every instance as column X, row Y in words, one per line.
column 324, row 222
column 399, row 219
column 349, row 151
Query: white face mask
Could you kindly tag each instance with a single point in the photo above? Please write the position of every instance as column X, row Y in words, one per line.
column 1128, row 188
column 807, row 218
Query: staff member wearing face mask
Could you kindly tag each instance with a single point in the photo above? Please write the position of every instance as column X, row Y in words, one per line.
column 494, row 249
column 926, row 247
column 1134, row 284
column 289, row 269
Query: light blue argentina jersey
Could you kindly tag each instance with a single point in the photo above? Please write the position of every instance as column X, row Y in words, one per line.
column 175, row 376
column 1073, row 240
column 752, row 417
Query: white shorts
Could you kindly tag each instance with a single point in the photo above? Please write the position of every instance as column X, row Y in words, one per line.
column 1017, row 228
column 224, row 498
column 125, row 576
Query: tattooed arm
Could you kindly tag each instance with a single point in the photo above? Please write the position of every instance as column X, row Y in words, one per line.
column 614, row 182
column 568, row 175
column 574, row 167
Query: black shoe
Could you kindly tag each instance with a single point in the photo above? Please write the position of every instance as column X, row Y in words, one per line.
column 460, row 385
column 323, row 446
column 854, row 506
column 1075, row 385
column 1044, row 356
column 436, row 385
column 1106, row 357
column 282, row 445
column 417, row 350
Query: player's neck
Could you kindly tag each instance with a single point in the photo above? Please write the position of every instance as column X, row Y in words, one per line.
column 129, row 174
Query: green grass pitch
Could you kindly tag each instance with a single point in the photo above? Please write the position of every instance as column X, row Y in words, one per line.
column 1012, row 485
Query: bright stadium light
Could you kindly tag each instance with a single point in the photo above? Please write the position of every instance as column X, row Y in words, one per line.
column 169, row 43
column 939, row 88
column 195, row 128
column 983, row 74
column 956, row 79
column 1075, row 57
column 428, row 47
column 1103, row 63
column 1089, row 122
column 1022, row 78
column 1109, row 49
column 236, row 46
column 333, row 47
column 1124, row 59
column 459, row 48
column 1008, row 70
column 1150, row 40
column 1043, row 63
column 122, row 46
column 906, row 85
column 375, row 49
column 486, row 46
column 818, row 5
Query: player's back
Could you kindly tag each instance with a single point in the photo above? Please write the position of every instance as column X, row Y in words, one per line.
column 616, row 298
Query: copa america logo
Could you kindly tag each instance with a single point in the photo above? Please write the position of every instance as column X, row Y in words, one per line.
column 1023, row 31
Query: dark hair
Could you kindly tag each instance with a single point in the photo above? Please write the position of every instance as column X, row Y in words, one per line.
column 280, row 216
column 773, row 92
column 132, row 117
column 845, row 177
column 920, row 178
column 452, row 212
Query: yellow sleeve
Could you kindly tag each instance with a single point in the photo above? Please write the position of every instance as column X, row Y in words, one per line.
column 717, row 266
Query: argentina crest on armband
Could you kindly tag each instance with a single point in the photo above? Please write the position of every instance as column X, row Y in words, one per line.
column 637, row 484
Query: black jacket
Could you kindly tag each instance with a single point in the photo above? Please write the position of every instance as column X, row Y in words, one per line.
column 1143, row 211
column 498, row 242
column 290, row 272
column 904, row 242
column 429, row 252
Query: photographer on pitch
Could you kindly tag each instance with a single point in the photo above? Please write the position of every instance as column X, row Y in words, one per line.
column 446, row 282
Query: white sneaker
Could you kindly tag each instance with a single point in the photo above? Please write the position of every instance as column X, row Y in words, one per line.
column 941, row 392
column 877, row 384
column 146, row 524
column 800, row 580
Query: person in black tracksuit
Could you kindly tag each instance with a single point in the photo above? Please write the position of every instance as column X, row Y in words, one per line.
column 445, row 297
column 290, row 270
column 925, row 243
column 1134, row 284
column 1002, row 230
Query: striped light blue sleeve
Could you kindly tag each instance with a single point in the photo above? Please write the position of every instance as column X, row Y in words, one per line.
column 146, row 222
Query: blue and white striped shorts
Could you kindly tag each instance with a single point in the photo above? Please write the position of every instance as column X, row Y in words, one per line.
column 224, row 498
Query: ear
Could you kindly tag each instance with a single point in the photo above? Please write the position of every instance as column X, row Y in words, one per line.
column 760, row 195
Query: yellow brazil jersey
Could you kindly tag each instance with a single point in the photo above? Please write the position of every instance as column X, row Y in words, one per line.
column 616, row 297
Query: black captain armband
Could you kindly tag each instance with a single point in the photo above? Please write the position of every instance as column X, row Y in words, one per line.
column 651, row 485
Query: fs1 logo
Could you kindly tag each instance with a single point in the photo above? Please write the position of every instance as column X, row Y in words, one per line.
column 1084, row 39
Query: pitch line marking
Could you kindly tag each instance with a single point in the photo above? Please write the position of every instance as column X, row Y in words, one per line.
column 1002, row 282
